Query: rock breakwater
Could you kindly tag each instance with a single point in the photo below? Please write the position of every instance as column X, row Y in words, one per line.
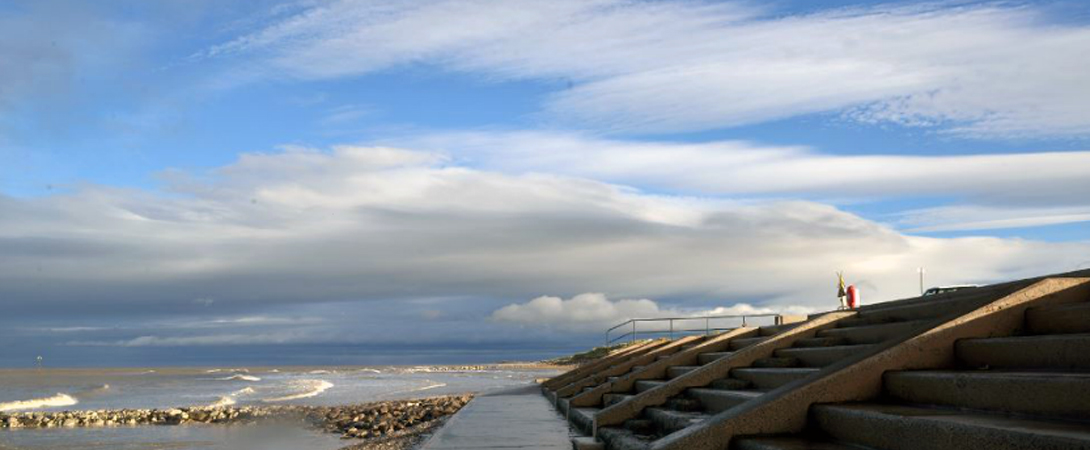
column 369, row 420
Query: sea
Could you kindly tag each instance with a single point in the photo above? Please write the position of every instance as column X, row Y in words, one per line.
column 145, row 388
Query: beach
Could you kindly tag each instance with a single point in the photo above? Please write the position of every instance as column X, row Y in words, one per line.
column 385, row 407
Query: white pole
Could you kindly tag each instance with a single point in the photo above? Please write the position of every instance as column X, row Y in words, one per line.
column 921, row 272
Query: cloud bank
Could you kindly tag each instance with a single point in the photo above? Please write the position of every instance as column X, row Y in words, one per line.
column 990, row 70
column 380, row 230
column 595, row 312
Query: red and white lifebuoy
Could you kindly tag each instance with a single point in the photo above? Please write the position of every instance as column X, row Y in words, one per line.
column 854, row 299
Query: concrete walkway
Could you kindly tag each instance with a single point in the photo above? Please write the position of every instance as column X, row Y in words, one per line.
column 519, row 418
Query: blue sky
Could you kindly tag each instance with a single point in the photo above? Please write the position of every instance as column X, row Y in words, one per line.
column 206, row 175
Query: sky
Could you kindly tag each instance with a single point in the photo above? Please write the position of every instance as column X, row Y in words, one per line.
column 442, row 181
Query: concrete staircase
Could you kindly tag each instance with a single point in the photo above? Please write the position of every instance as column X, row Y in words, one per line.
column 1030, row 391
column 805, row 357
column 1003, row 367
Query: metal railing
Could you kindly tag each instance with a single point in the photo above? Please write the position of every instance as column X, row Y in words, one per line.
column 671, row 330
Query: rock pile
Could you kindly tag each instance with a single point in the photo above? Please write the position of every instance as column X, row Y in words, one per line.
column 350, row 421
column 104, row 418
column 385, row 418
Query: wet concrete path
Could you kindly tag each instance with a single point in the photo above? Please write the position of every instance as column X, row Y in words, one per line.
column 519, row 418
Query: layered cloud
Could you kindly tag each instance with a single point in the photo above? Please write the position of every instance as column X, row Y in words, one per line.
column 596, row 312
column 378, row 230
column 746, row 168
column 983, row 70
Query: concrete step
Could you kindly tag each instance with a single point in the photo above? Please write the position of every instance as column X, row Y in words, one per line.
column 641, row 427
column 562, row 405
column 820, row 342
column 770, row 330
column 662, row 357
column 717, row 400
column 668, row 421
column 894, row 427
column 872, row 334
column 822, row 356
column 647, row 385
column 677, row 371
column 789, row 443
column 730, row 384
column 1059, row 319
column 1039, row 393
column 682, row 403
column 913, row 311
column 613, row 379
column 622, row 438
column 582, row 418
column 776, row 361
column 613, row 399
column 587, row 443
column 771, row 378
column 740, row 343
column 1050, row 352
column 706, row 358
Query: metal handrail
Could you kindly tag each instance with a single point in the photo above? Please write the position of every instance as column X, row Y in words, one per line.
column 707, row 325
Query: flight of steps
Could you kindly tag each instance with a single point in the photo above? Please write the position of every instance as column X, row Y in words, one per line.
column 592, row 381
column 1030, row 391
column 850, row 338
column 582, row 417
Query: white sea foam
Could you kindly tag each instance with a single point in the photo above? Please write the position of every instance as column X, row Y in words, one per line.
column 313, row 388
column 370, row 370
column 240, row 377
column 318, row 372
column 226, row 400
column 232, row 398
column 60, row 399
column 430, row 386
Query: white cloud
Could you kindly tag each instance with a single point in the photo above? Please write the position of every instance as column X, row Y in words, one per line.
column 595, row 312
column 962, row 218
column 988, row 70
column 384, row 225
column 748, row 169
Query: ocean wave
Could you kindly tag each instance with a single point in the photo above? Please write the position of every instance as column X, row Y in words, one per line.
column 430, row 386
column 314, row 388
column 370, row 370
column 318, row 372
column 92, row 391
column 240, row 377
column 60, row 399
column 226, row 400
column 243, row 391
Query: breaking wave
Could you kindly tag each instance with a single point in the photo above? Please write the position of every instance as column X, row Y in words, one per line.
column 231, row 399
column 60, row 399
column 226, row 400
column 314, row 388
column 240, row 377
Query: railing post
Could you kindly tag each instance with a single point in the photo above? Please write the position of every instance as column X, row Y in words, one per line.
column 633, row 332
column 743, row 320
column 671, row 329
column 707, row 326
